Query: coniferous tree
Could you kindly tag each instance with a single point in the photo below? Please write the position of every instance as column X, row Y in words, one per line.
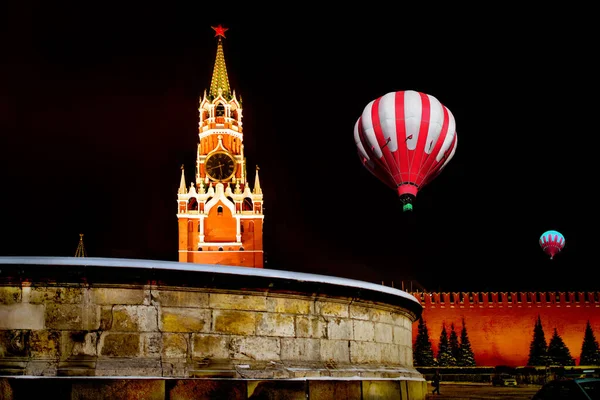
column 558, row 352
column 466, row 357
column 454, row 344
column 444, row 355
column 538, row 348
column 590, row 351
column 423, row 351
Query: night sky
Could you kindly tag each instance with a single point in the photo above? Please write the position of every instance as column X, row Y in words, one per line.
column 98, row 111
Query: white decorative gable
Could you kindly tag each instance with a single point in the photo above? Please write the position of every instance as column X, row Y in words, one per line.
column 219, row 195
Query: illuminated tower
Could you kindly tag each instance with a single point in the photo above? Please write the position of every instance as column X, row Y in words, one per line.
column 220, row 217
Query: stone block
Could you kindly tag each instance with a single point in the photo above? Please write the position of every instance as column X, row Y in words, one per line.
column 255, row 348
column 14, row 343
column 365, row 352
column 174, row 319
column 180, row 298
column 57, row 295
column 234, row 322
column 22, row 316
column 401, row 336
column 331, row 309
column 383, row 316
column 359, row 312
column 311, row 326
column 383, row 333
column 151, row 344
column 210, row 346
column 136, row 318
column 120, row 344
column 405, row 354
column 44, row 344
column 390, row 354
column 175, row 345
column 10, row 294
column 363, row 330
column 376, row 390
column 78, row 343
column 300, row 349
column 226, row 301
column 72, row 317
column 272, row 324
column 414, row 389
column 338, row 328
column 337, row 351
column 118, row 296
column 289, row 305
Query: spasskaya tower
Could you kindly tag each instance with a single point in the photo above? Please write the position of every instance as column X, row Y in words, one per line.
column 220, row 216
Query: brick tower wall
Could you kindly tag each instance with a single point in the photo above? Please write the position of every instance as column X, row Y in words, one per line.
column 500, row 324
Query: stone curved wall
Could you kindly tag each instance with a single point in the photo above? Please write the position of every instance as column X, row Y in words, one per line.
column 91, row 317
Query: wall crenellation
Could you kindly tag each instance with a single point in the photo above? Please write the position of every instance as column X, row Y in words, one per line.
column 508, row 299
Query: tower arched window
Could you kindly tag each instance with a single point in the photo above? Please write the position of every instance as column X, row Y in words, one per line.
column 220, row 210
column 247, row 206
column 192, row 204
column 220, row 110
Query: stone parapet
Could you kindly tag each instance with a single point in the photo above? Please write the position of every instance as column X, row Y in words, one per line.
column 169, row 320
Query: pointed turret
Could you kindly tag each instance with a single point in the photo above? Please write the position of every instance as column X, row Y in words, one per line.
column 257, row 189
column 220, row 82
column 80, row 252
column 182, row 188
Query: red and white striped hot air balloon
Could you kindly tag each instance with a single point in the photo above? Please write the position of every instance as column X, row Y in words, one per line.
column 405, row 139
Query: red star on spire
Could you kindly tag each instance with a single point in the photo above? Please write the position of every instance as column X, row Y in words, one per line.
column 219, row 30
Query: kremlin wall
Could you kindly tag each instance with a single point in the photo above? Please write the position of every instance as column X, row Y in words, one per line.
column 500, row 324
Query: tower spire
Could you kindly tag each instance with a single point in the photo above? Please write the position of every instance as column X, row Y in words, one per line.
column 80, row 252
column 257, row 189
column 182, row 188
column 220, row 82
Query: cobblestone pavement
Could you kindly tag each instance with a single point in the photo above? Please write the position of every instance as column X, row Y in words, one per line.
column 459, row 391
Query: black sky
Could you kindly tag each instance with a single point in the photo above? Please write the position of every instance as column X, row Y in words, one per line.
column 98, row 110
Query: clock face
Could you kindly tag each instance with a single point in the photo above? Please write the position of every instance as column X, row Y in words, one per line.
column 220, row 166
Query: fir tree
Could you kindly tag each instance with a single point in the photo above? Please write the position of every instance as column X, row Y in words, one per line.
column 538, row 348
column 466, row 356
column 423, row 352
column 558, row 352
column 454, row 344
column 590, row 351
column 444, row 355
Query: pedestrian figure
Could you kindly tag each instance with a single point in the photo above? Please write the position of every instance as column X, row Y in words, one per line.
column 436, row 382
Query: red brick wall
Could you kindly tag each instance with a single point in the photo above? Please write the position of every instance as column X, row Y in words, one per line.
column 500, row 325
